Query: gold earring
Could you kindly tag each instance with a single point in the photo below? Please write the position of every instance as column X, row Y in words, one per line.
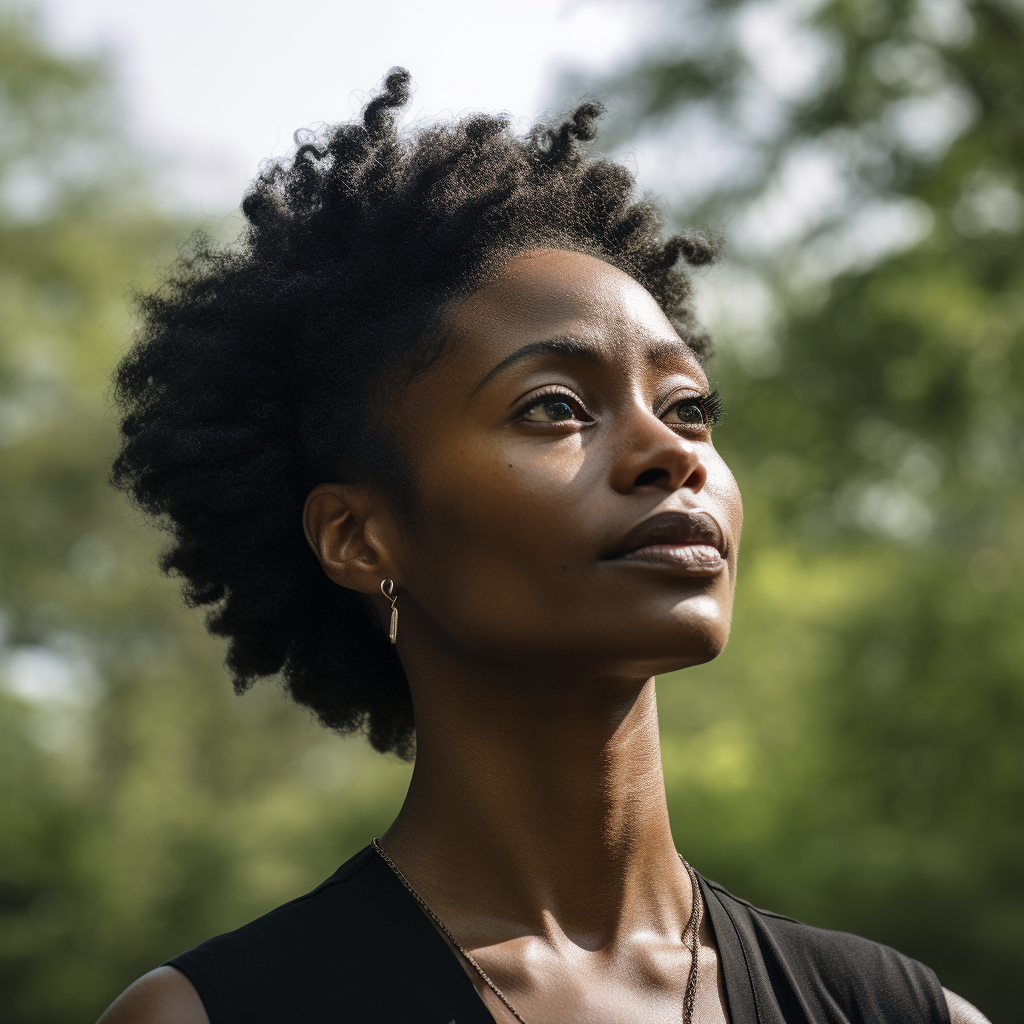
column 387, row 588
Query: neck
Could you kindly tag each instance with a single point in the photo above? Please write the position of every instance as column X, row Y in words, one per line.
column 541, row 808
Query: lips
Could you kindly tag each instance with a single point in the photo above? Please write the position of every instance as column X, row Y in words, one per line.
column 689, row 540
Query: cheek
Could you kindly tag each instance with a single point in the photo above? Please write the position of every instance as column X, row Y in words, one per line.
column 511, row 501
column 723, row 488
column 494, row 544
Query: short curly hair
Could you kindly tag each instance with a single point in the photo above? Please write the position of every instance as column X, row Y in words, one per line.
column 250, row 378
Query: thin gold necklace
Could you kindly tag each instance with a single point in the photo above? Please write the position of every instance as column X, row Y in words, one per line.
column 692, row 926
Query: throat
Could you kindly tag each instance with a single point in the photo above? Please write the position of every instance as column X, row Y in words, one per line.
column 549, row 821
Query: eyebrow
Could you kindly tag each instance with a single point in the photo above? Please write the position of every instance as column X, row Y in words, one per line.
column 577, row 349
column 572, row 347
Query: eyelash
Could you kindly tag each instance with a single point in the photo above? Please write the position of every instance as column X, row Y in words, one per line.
column 710, row 402
column 545, row 396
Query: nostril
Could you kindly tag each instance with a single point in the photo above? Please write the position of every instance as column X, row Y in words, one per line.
column 650, row 476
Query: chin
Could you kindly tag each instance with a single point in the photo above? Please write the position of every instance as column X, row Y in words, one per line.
column 670, row 652
column 692, row 633
column 699, row 637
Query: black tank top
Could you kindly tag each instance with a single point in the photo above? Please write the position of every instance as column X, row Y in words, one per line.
column 358, row 950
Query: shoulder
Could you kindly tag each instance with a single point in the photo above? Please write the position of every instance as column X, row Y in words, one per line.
column 961, row 1011
column 244, row 974
column 839, row 953
column 843, row 976
column 164, row 996
column 302, row 939
column 340, row 900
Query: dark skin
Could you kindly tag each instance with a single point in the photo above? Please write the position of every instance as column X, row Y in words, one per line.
column 565, row 415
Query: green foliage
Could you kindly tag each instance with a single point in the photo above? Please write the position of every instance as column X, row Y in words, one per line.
column 854, row 758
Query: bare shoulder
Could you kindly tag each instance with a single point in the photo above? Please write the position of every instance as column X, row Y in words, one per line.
column 164, row 996
column 961, row 1011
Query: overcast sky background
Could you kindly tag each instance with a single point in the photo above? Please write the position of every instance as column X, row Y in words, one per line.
column 215, row 86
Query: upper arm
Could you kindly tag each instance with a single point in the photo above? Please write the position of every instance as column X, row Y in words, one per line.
column 164, row 996
column 961, row 1011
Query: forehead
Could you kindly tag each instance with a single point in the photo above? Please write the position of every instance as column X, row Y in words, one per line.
column 552, row 293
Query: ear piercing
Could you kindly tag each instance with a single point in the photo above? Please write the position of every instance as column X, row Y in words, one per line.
column 387, row 588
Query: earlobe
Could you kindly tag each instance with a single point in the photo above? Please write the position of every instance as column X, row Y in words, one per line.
column 334, row 520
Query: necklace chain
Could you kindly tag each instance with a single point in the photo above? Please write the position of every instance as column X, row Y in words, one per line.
column 692, row 926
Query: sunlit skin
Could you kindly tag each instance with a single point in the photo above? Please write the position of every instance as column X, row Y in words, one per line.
column 536, row 824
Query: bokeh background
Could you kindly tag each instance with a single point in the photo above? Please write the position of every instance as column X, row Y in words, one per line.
column 854, row 759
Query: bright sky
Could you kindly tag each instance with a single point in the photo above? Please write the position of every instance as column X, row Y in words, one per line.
column 224, row 83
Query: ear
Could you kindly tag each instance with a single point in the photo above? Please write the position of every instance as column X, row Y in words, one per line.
column 346, row 526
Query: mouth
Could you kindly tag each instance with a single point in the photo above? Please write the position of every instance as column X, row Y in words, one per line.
column 688, row 542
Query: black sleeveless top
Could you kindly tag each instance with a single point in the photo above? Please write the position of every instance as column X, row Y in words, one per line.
column 358, row 950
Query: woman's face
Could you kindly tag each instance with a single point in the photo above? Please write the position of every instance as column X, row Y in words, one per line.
column 572, row 514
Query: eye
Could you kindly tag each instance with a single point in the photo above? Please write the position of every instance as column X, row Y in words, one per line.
column 554, row 408
column 695, row 411
column 690, row 412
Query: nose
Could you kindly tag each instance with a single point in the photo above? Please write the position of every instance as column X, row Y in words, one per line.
column 654, row 455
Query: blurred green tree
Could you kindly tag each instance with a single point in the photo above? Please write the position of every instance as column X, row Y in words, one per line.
column 142, row 807
column 854, row 757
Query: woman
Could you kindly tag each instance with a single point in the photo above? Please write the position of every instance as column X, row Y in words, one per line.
column 435, row 442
